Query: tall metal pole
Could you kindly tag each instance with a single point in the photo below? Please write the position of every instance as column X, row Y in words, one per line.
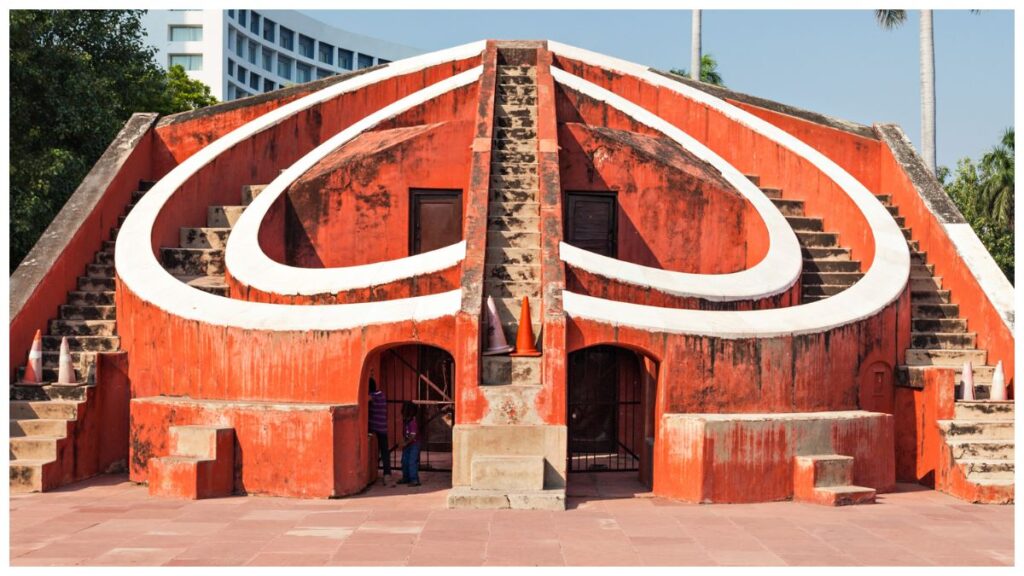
column 695, row 46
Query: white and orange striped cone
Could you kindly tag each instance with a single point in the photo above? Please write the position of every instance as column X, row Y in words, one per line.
column 968, row 379
column 34, row 367
column 998, row 391
column 496, row 342
column 66, row 370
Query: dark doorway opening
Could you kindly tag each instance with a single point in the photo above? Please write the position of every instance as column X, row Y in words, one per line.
column 425, row 376
column 435, row 221
column 591, row 222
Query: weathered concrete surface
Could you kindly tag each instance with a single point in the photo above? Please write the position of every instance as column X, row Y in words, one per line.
column 201, row 464
column 470, row 441
column 519, row 473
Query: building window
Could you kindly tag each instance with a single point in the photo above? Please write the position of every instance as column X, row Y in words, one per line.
column 239, row 44
column 284, row 66
column 287, row 39
column 344, row 59
column 326, row 53
column 231, row 13
column 254, row 81
column 252, row 52
column 186, row 33
column 383, row 61
column 321, row 73
column 365, row 61
column 242, row 93
column 306, row 46
column 268, row 60
column 303, row 72
column 231, row 91
column 191, row 62
column 241, row 17
column 268, row 29
column 254, row 23
column 231, row 67
column 241, row 74
column 268, row 85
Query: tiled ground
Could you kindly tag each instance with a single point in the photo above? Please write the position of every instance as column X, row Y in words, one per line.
column 109, row 521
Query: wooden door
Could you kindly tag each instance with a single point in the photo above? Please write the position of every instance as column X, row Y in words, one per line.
column 590, row 222
column 436, row 220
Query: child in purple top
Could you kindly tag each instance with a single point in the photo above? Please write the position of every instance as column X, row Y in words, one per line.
column 410, row 446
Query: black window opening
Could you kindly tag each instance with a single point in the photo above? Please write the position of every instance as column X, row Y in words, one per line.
column 591, row 222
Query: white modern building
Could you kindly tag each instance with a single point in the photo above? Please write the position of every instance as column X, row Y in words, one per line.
column 239, row 53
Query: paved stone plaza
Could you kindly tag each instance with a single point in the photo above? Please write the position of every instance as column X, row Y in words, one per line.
column 609, row 521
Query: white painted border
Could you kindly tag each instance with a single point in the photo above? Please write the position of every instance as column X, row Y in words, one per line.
column 248, row 264
column 882, row 284
column 140, row 271
column 776, row 273
column 983, row 267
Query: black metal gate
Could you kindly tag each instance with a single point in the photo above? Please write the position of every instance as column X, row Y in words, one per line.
column 605, row 418
column 425, row 376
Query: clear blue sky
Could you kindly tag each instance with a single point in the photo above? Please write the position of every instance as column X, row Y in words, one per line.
column 835, row 62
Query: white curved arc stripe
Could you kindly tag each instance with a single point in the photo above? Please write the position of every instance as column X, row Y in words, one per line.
column 777, row 272
column 248, row 264
column 882, row 284
column 141, row 272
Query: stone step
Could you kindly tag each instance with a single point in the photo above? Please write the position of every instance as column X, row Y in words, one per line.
column 804, row 223
column 514, row 209
column 223, row 216
column 519, row 169
column 934, row 310
column 81, row 360
column 943, row 340
column 509, row 473
column 464, row 497
column 515, row 111
column 192, row 261
column 977, row 429
column 45, row 410
column 137, row 195
column 515, row 145
column 938, row 325
column 34, row 447
column 83, row 343
column 921, row 270
column 517, row 90
column 513, row 256
column 513, row 156
column 517, row 70
column 214, row 284
column 944, row 357
column 93, row 284
column 83, row 327
column 772, row 193
column 499, row 289
column 833, row 278
column 79, row 298
column 512, row 98
column 510, row 308
column 929, row 296
column 204, row 238
column 982, row 378
column 104, row 258
column 513, row 224
column 100, row 270
column 994, row 449
column 754, row 179
column 50, row 392
column 514, row 134
column 822, row 289
column 514, row 370
column 884, row 199
column 526, row 182
column 918, row 258
column 818, row 239
column 914, row 245
column 251, row 191
column 983, row 410
column 986, row 466
column 832, row 266
column 57, row 428
column 503, row 80
column 108, row 246
column 75, row 312
column 509, row 239
column 515, row 121
column 849, row 495
column 823, row 253
column 900, row 220
column 925, row 284
column 504, row 194
column 789, row 207
column 906, row 233
column 28, row 475
column 509, row 273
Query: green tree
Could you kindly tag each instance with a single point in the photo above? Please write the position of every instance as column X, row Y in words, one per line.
column 996, row 197
column 709, row 73
column 184, row 93
column 76, row 77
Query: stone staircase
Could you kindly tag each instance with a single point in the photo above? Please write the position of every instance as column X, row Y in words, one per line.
column 201, row 464
column 198, row 260
column 980, row 442
column 827, row 479
column 43, row 417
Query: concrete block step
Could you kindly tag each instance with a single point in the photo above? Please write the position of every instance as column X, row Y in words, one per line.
column 918, row 258
column 900, row 220
column 137, row 195
column 499, row 289
column 83, row 327
column 825, row 253
column 884, row 199
column 30, row 475
column 987, row 430
column 982, row 377
column 100, row 270
column 517, row 90
column 513, row 134
column 44, row 409
column 34, row 447
column 81, row 360
column 104, row 258
column 984, row 410
column 844, row 495
column 834, row 278
column 906, row 233
column 804, row 223
column 934, row 310
column 942, row 357
column 83, row 343
column 192, row 261
column 521, row 210
column 516, row 80
column 512, row 98
column 513, row 224
column 773, row 193
column 504, row 194
column 516, row 70
column 938, row 325
column 921, row 270
column 94, row 284
column 822, row 289
column 507, row 473
column 826, row 469
column 818, row 239
column 251, row 191
column 223, row 216
column 513, row 169
column 831, row 266
column 464, row 497
column 83, row 373
column 977, row 466
column 514, row 145
column 57, row 428
column 108, row 246
column 515, row 156
column 514, row 111
column 925, row 284
column 754, row 179
column 48, row 392
column 504, row 120
column 214, row 284
column 929, row 296
column 914, row 245
column 512, row 273
column 789, row 207
column 510, row 370
column 513, row 256
column 76, row 312
column 204, row 238
column 526, row 182
column 510, row 239
column 509, row 310
column 943, row 340
column 987, row 449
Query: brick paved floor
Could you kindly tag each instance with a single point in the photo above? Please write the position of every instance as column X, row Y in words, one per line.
column 109, row 521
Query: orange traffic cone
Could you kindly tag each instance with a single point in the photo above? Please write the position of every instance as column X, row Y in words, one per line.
column 968, row 379
column 524, row 338
column 34, row 367
column 65, row 370
column 496, row 343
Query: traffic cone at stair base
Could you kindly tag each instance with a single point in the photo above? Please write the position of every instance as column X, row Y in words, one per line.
column 998, row 392
column 65, row 371
column 496, row 342
column 34, row 367
column 968, row 379
column 524, row 338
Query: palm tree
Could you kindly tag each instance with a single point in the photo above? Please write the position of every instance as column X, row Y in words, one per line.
column 890, row 19
column 709, row 73
column 996, row 197
column 695, row 56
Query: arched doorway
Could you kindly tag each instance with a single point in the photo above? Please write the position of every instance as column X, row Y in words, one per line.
column 424, row 375
column 610, row 420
